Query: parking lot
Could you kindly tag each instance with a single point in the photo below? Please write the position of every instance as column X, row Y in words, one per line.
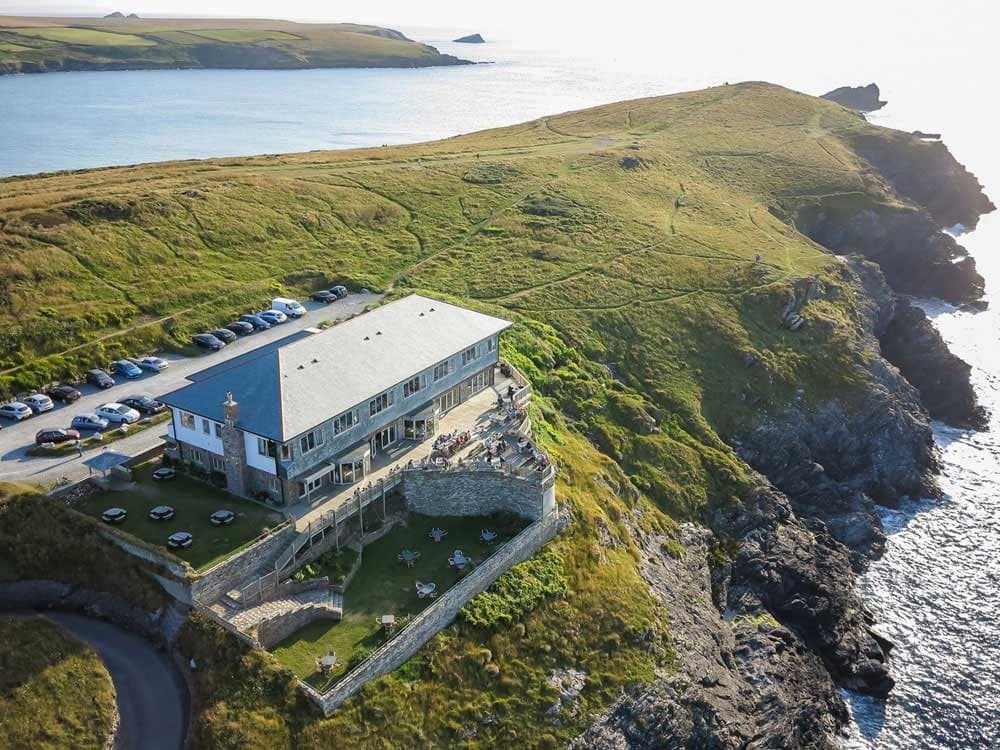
column 17, row 437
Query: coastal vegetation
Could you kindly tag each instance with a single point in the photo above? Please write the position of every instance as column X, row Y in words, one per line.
column 34, row 44
column 55, row 692
column 665, row 302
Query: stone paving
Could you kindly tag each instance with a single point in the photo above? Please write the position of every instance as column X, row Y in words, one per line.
column 245, row 619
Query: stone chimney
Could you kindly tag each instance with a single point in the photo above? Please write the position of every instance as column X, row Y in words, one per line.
column 230, row 409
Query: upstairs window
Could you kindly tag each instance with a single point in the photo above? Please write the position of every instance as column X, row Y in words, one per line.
column 491, row 343
column 218, row 430
column 344, row 422
column 442, row 369
column 286, row 452
column 412, row 386
column 468, row 355
column 266, row 447
column 187, row 420
column 380, row 403
column 311, row 441
column 206, row 427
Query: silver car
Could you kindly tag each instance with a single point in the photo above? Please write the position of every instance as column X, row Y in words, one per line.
column 15, row 410
column 118, row 413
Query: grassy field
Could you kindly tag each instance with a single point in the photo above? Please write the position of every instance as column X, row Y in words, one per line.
column 38, row 45
column 385, row 586
column 645, row 250
column 194, row 501
column 55, row 693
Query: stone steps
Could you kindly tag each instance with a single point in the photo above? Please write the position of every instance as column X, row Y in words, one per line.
column 322, row 598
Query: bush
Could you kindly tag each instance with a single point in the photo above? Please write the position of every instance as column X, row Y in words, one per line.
column 517, row 592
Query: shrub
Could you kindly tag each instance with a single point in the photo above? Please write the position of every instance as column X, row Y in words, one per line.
column 517, row 592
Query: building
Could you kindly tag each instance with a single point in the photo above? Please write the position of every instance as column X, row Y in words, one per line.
column 294, row 419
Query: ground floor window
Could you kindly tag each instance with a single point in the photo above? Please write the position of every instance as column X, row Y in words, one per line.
column 383, row 439
column 351, row 471
column 418, row 429
column 479, row 381
column 274, row 484
column 217, row 463
column 448, row 400
column 311, row 486
column 197, row 456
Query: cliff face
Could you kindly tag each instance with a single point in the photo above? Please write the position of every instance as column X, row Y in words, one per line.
column 860, row 98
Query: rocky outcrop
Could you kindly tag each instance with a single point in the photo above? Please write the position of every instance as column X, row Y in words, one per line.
column 471, row 39
column 860, row 98
column 914, row 345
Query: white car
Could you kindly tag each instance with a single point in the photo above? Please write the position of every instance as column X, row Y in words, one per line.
column 290, row 307
column 15, row 410
column 117, row 413
column 39, row 402
column 154, row 364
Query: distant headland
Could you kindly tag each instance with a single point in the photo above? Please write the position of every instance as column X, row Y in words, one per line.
column 471, row 39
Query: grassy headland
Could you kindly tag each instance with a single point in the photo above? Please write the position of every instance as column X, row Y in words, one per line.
column 32, row 44
column 646, row 250
column 55, row 693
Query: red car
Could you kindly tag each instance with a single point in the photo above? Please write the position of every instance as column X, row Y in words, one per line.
column 56, row 436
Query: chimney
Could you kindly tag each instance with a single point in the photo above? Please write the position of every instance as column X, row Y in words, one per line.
column 230, row 409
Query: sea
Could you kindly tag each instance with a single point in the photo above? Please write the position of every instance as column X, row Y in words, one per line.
column 936, row 592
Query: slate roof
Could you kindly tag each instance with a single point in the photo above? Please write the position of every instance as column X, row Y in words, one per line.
column 289, row 390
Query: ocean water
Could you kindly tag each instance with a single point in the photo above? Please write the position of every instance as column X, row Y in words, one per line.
column 935, row 592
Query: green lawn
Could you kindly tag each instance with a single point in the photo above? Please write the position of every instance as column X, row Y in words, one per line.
column 89, row 37
column 194, row 501
column 55, row 692
column 242, row 36
column 383, row 585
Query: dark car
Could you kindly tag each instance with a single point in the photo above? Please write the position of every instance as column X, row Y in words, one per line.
column 224, row 335
column 144, row 404
column 56, row 436
column 99, row 378
column 208, row 341
column 256, row 321
column 65, row 393
column 340, row 291
column 241, row 327
column 324, row 295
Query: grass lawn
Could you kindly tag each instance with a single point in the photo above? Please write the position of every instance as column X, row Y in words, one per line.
column 241, row 36
column 194, row 501
column 54, row 691
column 383, row 585
column 90, row 37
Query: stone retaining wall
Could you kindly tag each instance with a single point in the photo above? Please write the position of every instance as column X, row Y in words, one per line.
column 439, row 615
column 236, row 570
column 272, row 632
column 473, row 493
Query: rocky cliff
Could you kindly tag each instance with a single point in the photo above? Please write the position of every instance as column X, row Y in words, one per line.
column 860, row 98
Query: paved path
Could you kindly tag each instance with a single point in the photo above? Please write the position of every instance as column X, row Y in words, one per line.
column 16, row 438
column 152, row 697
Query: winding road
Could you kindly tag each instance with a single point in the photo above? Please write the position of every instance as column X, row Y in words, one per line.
column 152, row 697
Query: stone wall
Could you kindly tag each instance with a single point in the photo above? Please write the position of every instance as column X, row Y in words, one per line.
column 439, row 615
column 272, row 632
column 230, row 573
column 473, row 493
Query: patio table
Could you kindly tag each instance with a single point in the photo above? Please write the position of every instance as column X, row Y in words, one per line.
column 328, row 662
column 409, row 557
column 458, row 560
column 488, row 536
column 387, row 621
column 437, row 534
column 426, row 589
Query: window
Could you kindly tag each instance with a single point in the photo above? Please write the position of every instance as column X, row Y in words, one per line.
column 218, row 430
column 478, row 381
column 197, row 456
column 412, row 386
column 286, row 452
column 442, row 369
column 468, row 355
column 265, row 447
column 491, row 344
column 217, row 464
column 273, row 484
column 187, row 420
column 306, row 487
column 206, row 427
column 344, row 422
column 310, row 441
column 379, row 403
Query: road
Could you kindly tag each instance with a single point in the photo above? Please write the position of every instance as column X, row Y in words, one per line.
column 17, row 437
column 152, row 697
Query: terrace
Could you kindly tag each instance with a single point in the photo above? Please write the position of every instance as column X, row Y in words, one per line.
column 385, row 585
column 193, row 501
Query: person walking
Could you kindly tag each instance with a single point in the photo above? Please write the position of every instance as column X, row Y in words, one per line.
column 79, row 448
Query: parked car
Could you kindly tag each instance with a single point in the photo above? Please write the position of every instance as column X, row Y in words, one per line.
column 161, row 513
column 56, row 436
column 256, row 321
column 117, row 413
column 241, row 327
column 65, row 393
column 154, row 364
column 273, row 317
column 164, row 473
column 224, row 335
column 222, row 518
column 15, row 410
column 100, row 378
column 89, row 422
column 339, row 290
column 39, row 402
column 180, row 540
column 145, row 404
column 126, row 368
column 114, row 515
column 208, row 341
column 290, row 307
column 323, row 295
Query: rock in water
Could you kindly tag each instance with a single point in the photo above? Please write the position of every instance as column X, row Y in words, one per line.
column 471, row 39
column 861, row 98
